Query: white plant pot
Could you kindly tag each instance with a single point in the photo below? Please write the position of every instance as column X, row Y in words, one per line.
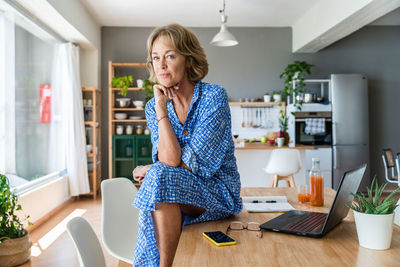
column 374, row 231
column 277, row 98
column 267, row 98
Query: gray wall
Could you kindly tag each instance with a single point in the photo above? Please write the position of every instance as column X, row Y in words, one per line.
column 253, row 67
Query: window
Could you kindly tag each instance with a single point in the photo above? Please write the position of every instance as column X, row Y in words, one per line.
column 25, row 67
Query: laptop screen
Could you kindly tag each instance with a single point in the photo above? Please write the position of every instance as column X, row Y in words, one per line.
column 348, row 184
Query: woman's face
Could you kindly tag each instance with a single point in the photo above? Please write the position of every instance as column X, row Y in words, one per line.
column 168, row 64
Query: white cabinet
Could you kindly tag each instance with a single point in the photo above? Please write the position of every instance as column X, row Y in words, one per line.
column 325, row 156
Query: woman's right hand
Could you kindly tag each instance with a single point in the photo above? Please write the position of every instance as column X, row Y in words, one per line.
column 140, row 172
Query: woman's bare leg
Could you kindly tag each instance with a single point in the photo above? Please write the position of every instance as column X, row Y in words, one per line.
column 167, row 220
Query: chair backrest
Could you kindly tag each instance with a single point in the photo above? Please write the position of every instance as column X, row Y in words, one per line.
column 119, row 220
column 389, row 163
column 86, row 243
column 284, row 162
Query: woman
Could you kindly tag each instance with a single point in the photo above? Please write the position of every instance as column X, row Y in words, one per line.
column 194, row 177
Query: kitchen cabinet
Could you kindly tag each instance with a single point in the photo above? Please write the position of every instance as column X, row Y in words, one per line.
column 119, row 164
column 92, row 110
column 128, row 152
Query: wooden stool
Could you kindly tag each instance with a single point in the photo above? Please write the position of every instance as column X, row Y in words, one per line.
column 275, row 178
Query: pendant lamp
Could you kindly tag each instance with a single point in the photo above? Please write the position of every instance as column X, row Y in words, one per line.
column 224, row 37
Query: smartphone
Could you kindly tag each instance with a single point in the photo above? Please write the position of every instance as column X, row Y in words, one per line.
column 218, row 238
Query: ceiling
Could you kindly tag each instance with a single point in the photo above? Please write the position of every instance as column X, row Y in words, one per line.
column 197, row 13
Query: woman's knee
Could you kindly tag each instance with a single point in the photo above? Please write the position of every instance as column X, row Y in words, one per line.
column 192, row 211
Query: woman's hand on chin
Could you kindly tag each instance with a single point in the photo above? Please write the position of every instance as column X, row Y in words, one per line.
column 163, row 94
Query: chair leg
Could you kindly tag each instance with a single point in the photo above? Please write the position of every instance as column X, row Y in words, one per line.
column 291, row 181
column 271, row 181
column 276, row 180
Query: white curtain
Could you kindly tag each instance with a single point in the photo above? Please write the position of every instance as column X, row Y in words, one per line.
column 7, row 96
column 67, row 131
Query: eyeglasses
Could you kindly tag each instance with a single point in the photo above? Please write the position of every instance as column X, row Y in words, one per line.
column 250, row 226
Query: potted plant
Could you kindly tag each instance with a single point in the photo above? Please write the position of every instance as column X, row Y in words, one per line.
column 283, row 124
column 374, row 217
column 294, row 80
column 148, row 90
column 123, row 82
column 276, row 95
column 267, row 97
column 15, row 245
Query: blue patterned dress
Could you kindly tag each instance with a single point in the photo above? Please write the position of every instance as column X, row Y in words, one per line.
column 208, row 149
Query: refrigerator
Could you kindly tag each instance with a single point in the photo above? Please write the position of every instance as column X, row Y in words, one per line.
column 350, row 126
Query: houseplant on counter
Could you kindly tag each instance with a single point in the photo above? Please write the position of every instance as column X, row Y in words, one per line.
column 283, row 125
column 294, row 80
column 123, row 83
column 374, row 217
column 15, row 245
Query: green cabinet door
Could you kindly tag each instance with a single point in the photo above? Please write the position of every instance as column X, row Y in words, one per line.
column 130, row 151
column 143, row 150
column 123, row 155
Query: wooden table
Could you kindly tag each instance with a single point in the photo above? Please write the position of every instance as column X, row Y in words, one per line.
column 337, row 248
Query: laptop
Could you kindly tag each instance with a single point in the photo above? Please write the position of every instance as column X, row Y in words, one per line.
column 317, row 224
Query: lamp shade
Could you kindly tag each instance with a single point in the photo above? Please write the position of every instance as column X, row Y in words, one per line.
column 224, row 38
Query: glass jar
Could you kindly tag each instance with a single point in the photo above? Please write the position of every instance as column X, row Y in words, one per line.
column 129, row 129
column 128, row 150
column 144, row 151
column 120, row 129
column 316, row 184
column 147, row 131
column 139, row 129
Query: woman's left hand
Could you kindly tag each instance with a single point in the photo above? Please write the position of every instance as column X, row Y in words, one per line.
column 140, row 172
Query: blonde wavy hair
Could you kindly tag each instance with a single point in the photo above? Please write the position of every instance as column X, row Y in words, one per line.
column 187, row 44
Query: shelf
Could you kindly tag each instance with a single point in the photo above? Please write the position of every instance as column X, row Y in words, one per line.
column 125, row 159
column 123, row 165
column 144, row 120
column 92, row 123
column 90, row 89
column 129, row 89
column 317, row 81
column 92, row 128
column 127, row 109
column 256, row 104
column 144, row 158
column 132, row 65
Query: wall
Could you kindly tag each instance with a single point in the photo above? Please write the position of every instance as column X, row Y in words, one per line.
column 40, row 201
column 253, row 67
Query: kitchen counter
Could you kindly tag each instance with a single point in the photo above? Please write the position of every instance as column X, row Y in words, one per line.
column 259, row 145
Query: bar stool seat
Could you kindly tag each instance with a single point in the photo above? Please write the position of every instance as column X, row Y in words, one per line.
column 282, row 165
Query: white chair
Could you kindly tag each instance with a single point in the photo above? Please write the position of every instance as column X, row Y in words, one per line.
column 282, row 164
column 119, row 220
column 86, row 243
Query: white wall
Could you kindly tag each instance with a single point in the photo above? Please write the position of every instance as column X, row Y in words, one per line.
column 42, row 200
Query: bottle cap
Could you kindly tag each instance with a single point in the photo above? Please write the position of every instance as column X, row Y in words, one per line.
column 315, row 159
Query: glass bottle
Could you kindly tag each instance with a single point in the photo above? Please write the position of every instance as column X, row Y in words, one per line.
column 316, row 184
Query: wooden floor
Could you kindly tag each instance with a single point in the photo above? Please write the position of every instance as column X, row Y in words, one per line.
column 52, row 245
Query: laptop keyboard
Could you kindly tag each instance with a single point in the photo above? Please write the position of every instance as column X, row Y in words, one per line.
column 311, row 221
